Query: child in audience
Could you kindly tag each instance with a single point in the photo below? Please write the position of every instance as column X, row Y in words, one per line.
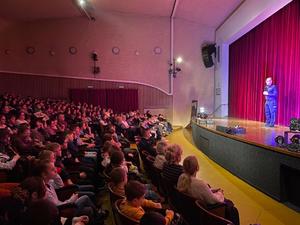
column 199, row 189
column 172, row 169
column 47, row 171
column 119, row 180
column 160, row 159
column 135, row 200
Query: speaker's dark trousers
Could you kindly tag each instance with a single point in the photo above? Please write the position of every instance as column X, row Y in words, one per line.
column 270, row 111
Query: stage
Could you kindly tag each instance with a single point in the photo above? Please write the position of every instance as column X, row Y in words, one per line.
column 256, row 133
column 253, row 157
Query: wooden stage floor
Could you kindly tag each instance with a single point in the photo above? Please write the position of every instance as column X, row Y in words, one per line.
column 256, row 133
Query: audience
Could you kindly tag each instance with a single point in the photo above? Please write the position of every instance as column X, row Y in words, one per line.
column 135, row 202
column 74, row 145
column 160, row 158
column 198, row 189
column 172, row 169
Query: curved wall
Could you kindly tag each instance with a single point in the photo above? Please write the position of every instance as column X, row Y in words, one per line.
column 58, row 87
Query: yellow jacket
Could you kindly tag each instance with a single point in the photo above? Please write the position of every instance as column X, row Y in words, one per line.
column 137, row 213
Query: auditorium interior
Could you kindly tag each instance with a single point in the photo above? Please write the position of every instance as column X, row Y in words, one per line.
column 139, row 112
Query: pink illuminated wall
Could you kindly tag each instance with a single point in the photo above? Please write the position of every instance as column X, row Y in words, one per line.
column 195, row 82
column 128, row 33
column 135, row 36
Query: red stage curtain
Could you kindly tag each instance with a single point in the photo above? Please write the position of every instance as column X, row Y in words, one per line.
column 79, row 95
column 270, row 49
column 120, row 100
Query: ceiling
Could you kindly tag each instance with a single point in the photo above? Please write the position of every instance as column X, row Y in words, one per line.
column 208, row 12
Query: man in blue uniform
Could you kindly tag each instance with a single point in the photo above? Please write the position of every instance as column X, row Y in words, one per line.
column 270, row 93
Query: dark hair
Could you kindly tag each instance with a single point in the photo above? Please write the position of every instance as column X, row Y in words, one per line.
column 34, row 184
column 117, row 157
column 41, row 212
column 40, row 166
column 107, row 137
column 150, row 218
column 134, row 189
column 3, row 134
column 22, row 128
column 117, row 175
column 114, row 148
column 106, row 146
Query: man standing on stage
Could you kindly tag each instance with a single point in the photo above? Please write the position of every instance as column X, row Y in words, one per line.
column 270, row 93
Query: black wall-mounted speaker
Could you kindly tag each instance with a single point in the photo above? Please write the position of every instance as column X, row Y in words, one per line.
column 207, row 52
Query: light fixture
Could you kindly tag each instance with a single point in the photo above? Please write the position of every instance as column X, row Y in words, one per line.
column 179, row 60
column 85, row 7
column 174, row 69
column 279, row 140
column 202, row 109
column 81, row 2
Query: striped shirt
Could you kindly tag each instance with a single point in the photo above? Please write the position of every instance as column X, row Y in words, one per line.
column 172, row 172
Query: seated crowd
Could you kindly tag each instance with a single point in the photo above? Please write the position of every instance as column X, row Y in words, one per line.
column 57, row 157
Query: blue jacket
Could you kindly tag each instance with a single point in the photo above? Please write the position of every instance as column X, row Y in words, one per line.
column 272, row 93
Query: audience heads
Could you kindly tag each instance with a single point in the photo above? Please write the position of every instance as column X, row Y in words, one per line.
column 4, row 136
column 107, row 137
column 24, row 130
column 117, row 158
column 173, row 154
column 2, row 119
column 152, row 218
column 45, row 169
column 21, row 116
column 190, row 165
column 106, row 146
column 135, row 191
column 54, row 147
column 47, row 155
column 161, row 147
column 118, row 175
column 32, row 188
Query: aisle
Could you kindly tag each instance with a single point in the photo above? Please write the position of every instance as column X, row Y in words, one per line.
column 253, row 205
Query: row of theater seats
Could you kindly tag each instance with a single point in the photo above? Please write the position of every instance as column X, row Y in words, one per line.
column 194, row 212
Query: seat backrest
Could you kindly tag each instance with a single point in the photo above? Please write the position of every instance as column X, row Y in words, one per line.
column 120, row 217
column 154, row 175
column 3, row 176
column 113, row 195
column 186, row 206
column 209, row 218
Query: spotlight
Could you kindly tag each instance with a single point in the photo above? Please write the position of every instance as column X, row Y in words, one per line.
column 279, row 140
column 81, row 2
column 179, row 60
column 202, row 109
column 174, row 69
column 295, row 139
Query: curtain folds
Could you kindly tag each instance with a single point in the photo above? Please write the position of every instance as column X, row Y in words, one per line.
column 270, row 49
column 120, row 100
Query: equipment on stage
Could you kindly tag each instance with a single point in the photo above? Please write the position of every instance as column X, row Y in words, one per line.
column 231, row 130
column 293, row 145
column 294, row 124
column 280, row 141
